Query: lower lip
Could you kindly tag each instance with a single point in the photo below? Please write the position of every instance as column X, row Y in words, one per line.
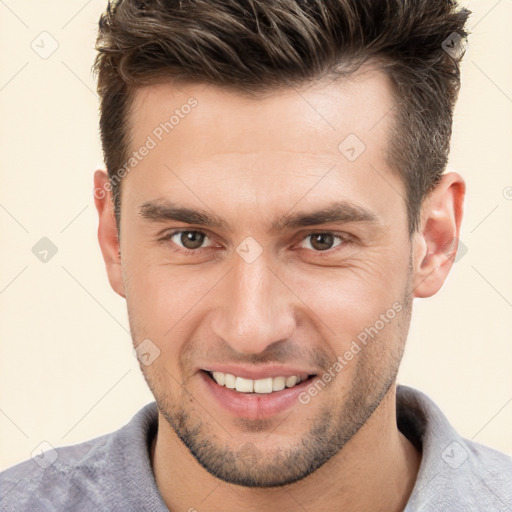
column 251, row 405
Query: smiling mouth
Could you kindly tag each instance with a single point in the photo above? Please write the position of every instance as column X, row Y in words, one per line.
column 259, row 386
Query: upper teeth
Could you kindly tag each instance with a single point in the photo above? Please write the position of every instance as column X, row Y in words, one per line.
column 255, row 386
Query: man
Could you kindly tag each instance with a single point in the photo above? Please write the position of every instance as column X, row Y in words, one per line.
column 275, row 199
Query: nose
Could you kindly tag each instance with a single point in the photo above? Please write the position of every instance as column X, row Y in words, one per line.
column 256, row 307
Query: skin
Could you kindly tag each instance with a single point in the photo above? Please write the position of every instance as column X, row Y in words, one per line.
column 298, row 304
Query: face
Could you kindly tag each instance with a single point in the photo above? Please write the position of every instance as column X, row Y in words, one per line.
column 264, row 244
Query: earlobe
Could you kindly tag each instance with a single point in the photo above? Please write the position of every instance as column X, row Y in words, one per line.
column 107, row 231
column 436, row 243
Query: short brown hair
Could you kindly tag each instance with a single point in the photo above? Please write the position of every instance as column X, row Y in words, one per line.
column 256, row 46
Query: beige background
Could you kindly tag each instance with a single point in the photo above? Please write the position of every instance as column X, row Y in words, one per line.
column 67, row 372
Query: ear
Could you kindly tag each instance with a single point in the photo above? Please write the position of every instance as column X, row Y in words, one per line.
column 107, row 231
column 437, row 240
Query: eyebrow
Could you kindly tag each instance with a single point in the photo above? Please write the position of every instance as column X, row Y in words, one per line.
column 341, row 212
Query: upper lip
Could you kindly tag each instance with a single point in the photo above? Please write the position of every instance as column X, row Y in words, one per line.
column 259, row 372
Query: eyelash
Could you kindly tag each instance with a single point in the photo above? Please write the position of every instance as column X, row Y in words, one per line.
column 345, row 239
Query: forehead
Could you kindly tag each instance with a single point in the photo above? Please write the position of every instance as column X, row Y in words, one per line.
column 361, row 104
column 207, row 142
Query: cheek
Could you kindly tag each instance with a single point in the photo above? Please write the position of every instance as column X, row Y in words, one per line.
column 164, row 299
column 161, row 308
column 347, row 300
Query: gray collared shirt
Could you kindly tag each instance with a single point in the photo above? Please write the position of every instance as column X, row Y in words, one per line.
column 113, row 472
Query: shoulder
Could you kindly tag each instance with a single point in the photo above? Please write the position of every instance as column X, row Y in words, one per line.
column 465, row 475
column 485, row 474
column 455, row 473
column 489, row 457
column 49, row 478
column 109, row 472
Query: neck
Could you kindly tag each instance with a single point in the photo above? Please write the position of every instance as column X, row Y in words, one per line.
column 376, row 470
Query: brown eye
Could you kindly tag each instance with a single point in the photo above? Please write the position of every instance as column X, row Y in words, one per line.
column 192, row 239
column 187, row 240
column 323, row 241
